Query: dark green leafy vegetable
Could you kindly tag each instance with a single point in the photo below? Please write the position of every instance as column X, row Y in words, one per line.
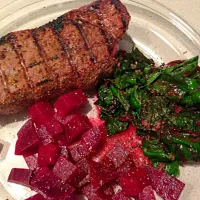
column 172, row 168
column 156, row 151
column 161, row 102
column 115, row 126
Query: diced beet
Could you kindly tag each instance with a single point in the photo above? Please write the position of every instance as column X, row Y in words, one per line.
column 36, row 197
column 125, row 166
column 48, row 154
column 73, row 196
column 93, row 194
column 28, row 140
column 63, row 146
column 79, row 151
column 154, row 176
column 138, row 157
column 84, row 182
column 147, row 194
column 108, row 190
column 69, row 102
column 65, row 170
column 41, row 113
column 47, row 183
column 75, row 144
column 64, row 151
column 31, row 161
column 128, row 139
column 94, row 137
column 54, row 128
column 120, row 196
column 44, row 135
column 89, row 143
column 82, row 177
column 20, row 176
column 134, row 181
column 83, row 166
column 101, row 174
column 117, row 154
column 75, row 127
column 166, row 186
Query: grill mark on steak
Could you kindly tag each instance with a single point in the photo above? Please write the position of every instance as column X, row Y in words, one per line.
column 79, row 25
column 109, row 41
column 40, row 51
column 13, row 41
column 43, row 82
column 56, row 30
column 44, row 57
column 65, row 49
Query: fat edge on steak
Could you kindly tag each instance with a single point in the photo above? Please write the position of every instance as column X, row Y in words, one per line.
column 73, row 51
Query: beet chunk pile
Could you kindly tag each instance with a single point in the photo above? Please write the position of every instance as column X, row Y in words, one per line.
column 68, row 157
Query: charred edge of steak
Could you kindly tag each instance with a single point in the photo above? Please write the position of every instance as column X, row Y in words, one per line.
column 4, row 39
column 122, row 10
column 78, row 23
column 57, row 24
column 13, row 41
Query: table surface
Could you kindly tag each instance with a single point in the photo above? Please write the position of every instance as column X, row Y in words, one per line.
column 188, row 10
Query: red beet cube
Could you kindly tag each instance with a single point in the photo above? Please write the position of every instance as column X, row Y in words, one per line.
column 20, row 176
column 147, row 194
column 44, row 135
column 101, row 174
column 125, row 166
column 83, row 165
column 94, row 137
column 108, row 190
column 63, row 146
column 120, row 196
column 54, row 128
column 41, row 113
column 79, row 151
column 166, row 186
column 69, row 102
column 28, row 140
column 138, row 157
column 134, row 181
column 93, row 194
column 117, row 155
column 75, row 127
column 128, row 139
column 47, row 183
column 65, row 170
column 82, row 174
column 31, row 161
column 48, row 154
column 36, row 197
column 64, row 151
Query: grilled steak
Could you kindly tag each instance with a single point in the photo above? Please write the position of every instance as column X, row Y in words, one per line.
column 71, row 52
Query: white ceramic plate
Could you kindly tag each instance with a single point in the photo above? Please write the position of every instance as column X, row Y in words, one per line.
column 158, row 32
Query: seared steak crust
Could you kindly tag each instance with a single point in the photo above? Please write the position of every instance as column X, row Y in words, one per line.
column 71, row 52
